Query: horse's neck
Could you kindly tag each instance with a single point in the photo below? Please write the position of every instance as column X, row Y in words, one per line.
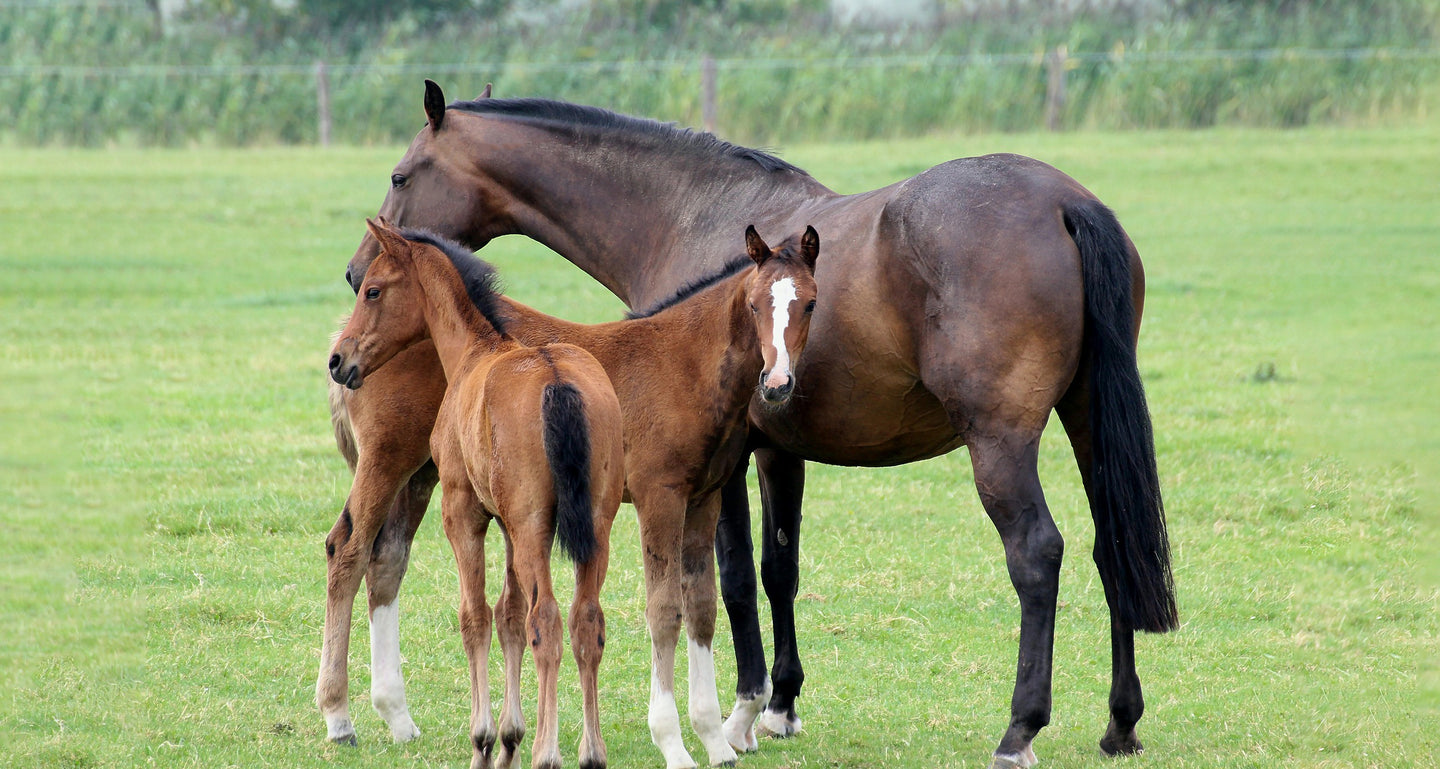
column 458, row 329
column 645, row 226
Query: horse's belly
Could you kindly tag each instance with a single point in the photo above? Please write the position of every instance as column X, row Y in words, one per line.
column 875, row 423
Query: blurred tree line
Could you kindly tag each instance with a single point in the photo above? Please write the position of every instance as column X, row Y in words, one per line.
column 244, row 71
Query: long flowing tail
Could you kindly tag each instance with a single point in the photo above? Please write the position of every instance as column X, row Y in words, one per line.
column 1129, row 515
column 567, row 446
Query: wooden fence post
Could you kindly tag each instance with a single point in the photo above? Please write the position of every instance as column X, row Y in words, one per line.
column 1055, row 89
column 322, row 101
column 707, row 93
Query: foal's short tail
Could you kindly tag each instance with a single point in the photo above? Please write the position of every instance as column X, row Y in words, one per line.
column 567, row 447
column 1125, row 485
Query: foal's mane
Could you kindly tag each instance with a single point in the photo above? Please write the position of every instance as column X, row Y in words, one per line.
column 692, row 288
column 482, row 281
column 549, row 111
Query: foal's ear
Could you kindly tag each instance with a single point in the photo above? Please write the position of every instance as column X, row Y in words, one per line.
column 810, row 246
column 755, row 247
column 390, row 241
column 485, row 94
column 434, row 104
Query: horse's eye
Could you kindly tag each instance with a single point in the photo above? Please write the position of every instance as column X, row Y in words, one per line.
column 754, row 309
column 397, row 180
column 373, row 293
column 810, row 307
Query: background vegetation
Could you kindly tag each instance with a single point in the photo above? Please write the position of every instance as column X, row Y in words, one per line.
column 170, row 477
column 241, row 72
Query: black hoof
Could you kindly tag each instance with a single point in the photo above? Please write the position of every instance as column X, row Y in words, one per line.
column 1121, row 745
column 348, row 741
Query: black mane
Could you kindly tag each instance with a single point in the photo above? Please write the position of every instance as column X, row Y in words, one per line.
column 581, row 116
column 481, row 280
column 692, row 288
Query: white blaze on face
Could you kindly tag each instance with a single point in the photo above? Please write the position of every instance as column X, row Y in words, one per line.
column 782, row 293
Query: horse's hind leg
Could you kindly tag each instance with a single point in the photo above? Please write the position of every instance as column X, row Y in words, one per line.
column 465, row 526
column 735, row 554
column 510, row 610
column 782, row 486
column 531, row 561
column 388, row 562
column 1006, row 476
column 1127, row 704
column 587, row 643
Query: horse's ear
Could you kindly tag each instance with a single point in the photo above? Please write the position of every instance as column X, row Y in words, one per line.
column 756, row 247
column 810, row 246
column 434, row 104
column 485, row 94
column 390, row 241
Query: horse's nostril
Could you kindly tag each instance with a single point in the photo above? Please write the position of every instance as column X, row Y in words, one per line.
column 335, row 361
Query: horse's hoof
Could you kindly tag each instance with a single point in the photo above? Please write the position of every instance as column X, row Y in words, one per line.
column 404, row 732
column 1121, row 746
column 1022, row 760
column 781, row 725
column 348, row 740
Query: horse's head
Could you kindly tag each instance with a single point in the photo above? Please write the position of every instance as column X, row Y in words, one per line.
column 782, row 297
column 434, row 187
column 388, row 315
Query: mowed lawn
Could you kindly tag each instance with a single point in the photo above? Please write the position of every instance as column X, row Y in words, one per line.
column 167, row 476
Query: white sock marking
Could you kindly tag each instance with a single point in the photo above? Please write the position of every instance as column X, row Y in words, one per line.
column 387, row 686
column 705, row 704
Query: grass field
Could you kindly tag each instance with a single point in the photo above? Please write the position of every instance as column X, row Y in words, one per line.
column 167, row 475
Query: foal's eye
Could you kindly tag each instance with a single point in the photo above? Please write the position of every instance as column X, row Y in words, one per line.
column 754, row 310
column 373, row 293
column 810, row 307
column 397, row 180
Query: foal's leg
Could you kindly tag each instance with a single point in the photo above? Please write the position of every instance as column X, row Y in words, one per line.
column 661, row 510
column 1127, row 704
column 388, row 562
column 510, row 612
column 531, row 547
column 735, row 554
column 782, row 485
column 698, row 606
column 378, row 477
column 1004, row 458
column 465, row 527
column 587, row 643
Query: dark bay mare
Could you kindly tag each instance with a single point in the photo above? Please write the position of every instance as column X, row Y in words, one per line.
column 964, row 305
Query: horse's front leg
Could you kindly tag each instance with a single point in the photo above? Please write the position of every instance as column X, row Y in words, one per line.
column 782, row 487
column 388, row 563
column 348, row 548
column 1009, row 485
column 661, row 509
column 735, row 554
column 698, row 607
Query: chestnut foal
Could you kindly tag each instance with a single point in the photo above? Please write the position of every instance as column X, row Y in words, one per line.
column 529, row 436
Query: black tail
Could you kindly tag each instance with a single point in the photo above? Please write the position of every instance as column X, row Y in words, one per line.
column 1125, row 494
column 567, row 446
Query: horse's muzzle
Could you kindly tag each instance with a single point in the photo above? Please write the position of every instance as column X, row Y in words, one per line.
column 347, row 375
column 776, row 395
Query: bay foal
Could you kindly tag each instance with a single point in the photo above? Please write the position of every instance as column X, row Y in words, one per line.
column 528, row 436
column 685, row 370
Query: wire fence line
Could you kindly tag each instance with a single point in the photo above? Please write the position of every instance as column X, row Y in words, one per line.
column 640, row 65
column 759, row 100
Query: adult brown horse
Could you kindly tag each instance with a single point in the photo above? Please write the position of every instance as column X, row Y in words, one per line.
column 967, row 303
column 529, row 436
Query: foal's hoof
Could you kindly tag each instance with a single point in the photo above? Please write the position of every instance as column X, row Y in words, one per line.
column 348, row 740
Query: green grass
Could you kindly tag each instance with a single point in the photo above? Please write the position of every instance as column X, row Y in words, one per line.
column 168, row 475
